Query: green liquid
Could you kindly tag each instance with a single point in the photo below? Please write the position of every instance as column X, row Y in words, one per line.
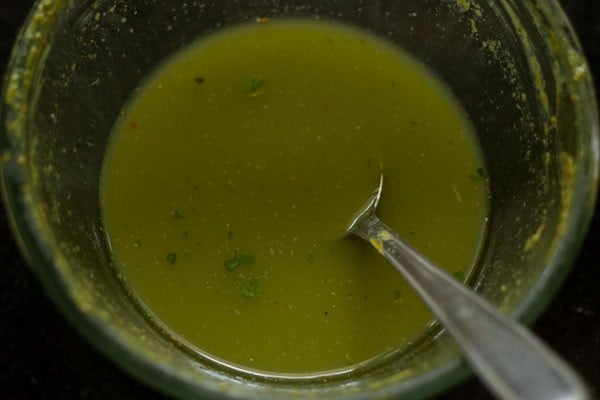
column 234, row 170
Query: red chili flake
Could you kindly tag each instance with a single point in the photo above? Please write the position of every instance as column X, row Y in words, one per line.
column 134, row 125
column 262, row 20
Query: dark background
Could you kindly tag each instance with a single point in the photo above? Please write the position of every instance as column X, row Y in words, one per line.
column 42, row 357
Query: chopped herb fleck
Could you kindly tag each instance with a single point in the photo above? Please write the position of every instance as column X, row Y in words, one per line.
column 177, row 214
column 479, row 174
column 239, row 260
column 92, row 56
column 232, row 263
column 253, row 85
column 246, row 259
column 250, row 288
column 397, row 294
column 459, row 275
column 172, row 258
column 137, row 243
column 199, row 80
column 185, row 234
column 230, row 234
column 374, row 162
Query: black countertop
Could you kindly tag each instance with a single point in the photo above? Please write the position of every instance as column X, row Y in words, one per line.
column 45, row 358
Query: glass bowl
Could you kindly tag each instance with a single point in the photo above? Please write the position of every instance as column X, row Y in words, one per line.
column 515, row 66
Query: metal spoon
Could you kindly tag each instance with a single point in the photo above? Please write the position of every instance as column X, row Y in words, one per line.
column 509, row 359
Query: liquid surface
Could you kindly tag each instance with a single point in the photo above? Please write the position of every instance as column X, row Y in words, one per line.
column 234, row 170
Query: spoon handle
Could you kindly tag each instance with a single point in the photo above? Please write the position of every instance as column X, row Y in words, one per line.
column 511, row 361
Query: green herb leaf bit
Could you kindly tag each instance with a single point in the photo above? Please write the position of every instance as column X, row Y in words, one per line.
column 253, row 85
column 250, row 288
column 479, row 175
column 239, row 260
column 459, row 276
column 172, row 258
